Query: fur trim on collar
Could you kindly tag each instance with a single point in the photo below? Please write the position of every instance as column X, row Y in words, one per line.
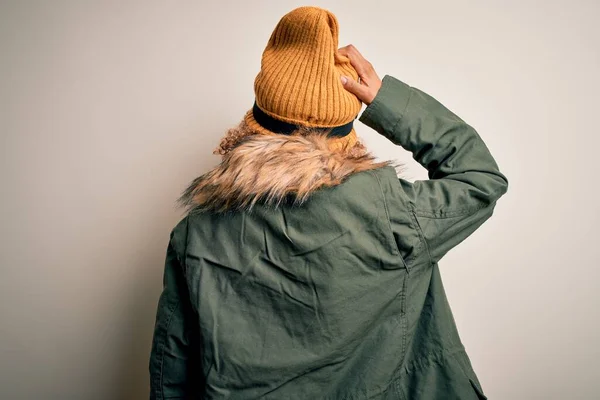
column 273, row 168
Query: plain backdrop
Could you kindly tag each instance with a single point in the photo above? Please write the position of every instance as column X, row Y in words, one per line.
column 109, row 108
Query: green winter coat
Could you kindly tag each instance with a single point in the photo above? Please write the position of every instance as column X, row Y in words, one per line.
column 339, row 297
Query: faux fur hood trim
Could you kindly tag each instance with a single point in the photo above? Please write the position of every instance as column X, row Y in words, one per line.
column 272, row 168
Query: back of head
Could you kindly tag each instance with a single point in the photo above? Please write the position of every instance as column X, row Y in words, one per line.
column 299, row 84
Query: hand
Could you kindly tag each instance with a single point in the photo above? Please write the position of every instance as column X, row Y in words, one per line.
column 369, row 83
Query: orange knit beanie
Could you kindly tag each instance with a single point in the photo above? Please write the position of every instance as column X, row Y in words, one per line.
column 299, row 81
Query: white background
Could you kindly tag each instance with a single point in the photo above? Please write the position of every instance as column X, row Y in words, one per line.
column 109, row 108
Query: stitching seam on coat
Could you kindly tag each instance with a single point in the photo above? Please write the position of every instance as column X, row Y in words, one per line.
column 460, row 212
column 452, row 214
column 413, row 215
column 394, row 246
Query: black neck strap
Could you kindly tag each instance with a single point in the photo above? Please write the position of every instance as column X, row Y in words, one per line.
column 286, row 128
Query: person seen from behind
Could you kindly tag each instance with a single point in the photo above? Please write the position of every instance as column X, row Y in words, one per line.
column 306, row 269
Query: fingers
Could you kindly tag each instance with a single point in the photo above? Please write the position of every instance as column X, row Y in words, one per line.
column 360, row 91
column 350, row 48
column 363, row 67
column 369, row 83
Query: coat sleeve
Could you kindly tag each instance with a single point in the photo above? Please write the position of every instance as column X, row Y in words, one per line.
column 174, row 358
column 464, row 180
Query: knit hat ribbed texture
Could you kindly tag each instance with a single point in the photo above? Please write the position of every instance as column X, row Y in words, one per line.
column 299, row 81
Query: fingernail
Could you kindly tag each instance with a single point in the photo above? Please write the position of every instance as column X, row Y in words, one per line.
column 344, row 80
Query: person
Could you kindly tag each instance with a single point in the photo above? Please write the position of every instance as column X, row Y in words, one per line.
column 306, row 269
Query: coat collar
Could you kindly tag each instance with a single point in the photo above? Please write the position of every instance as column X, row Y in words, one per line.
column 272, row 168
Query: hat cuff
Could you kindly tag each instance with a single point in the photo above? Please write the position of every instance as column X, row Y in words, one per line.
column 347, row 141
column 280, row 126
